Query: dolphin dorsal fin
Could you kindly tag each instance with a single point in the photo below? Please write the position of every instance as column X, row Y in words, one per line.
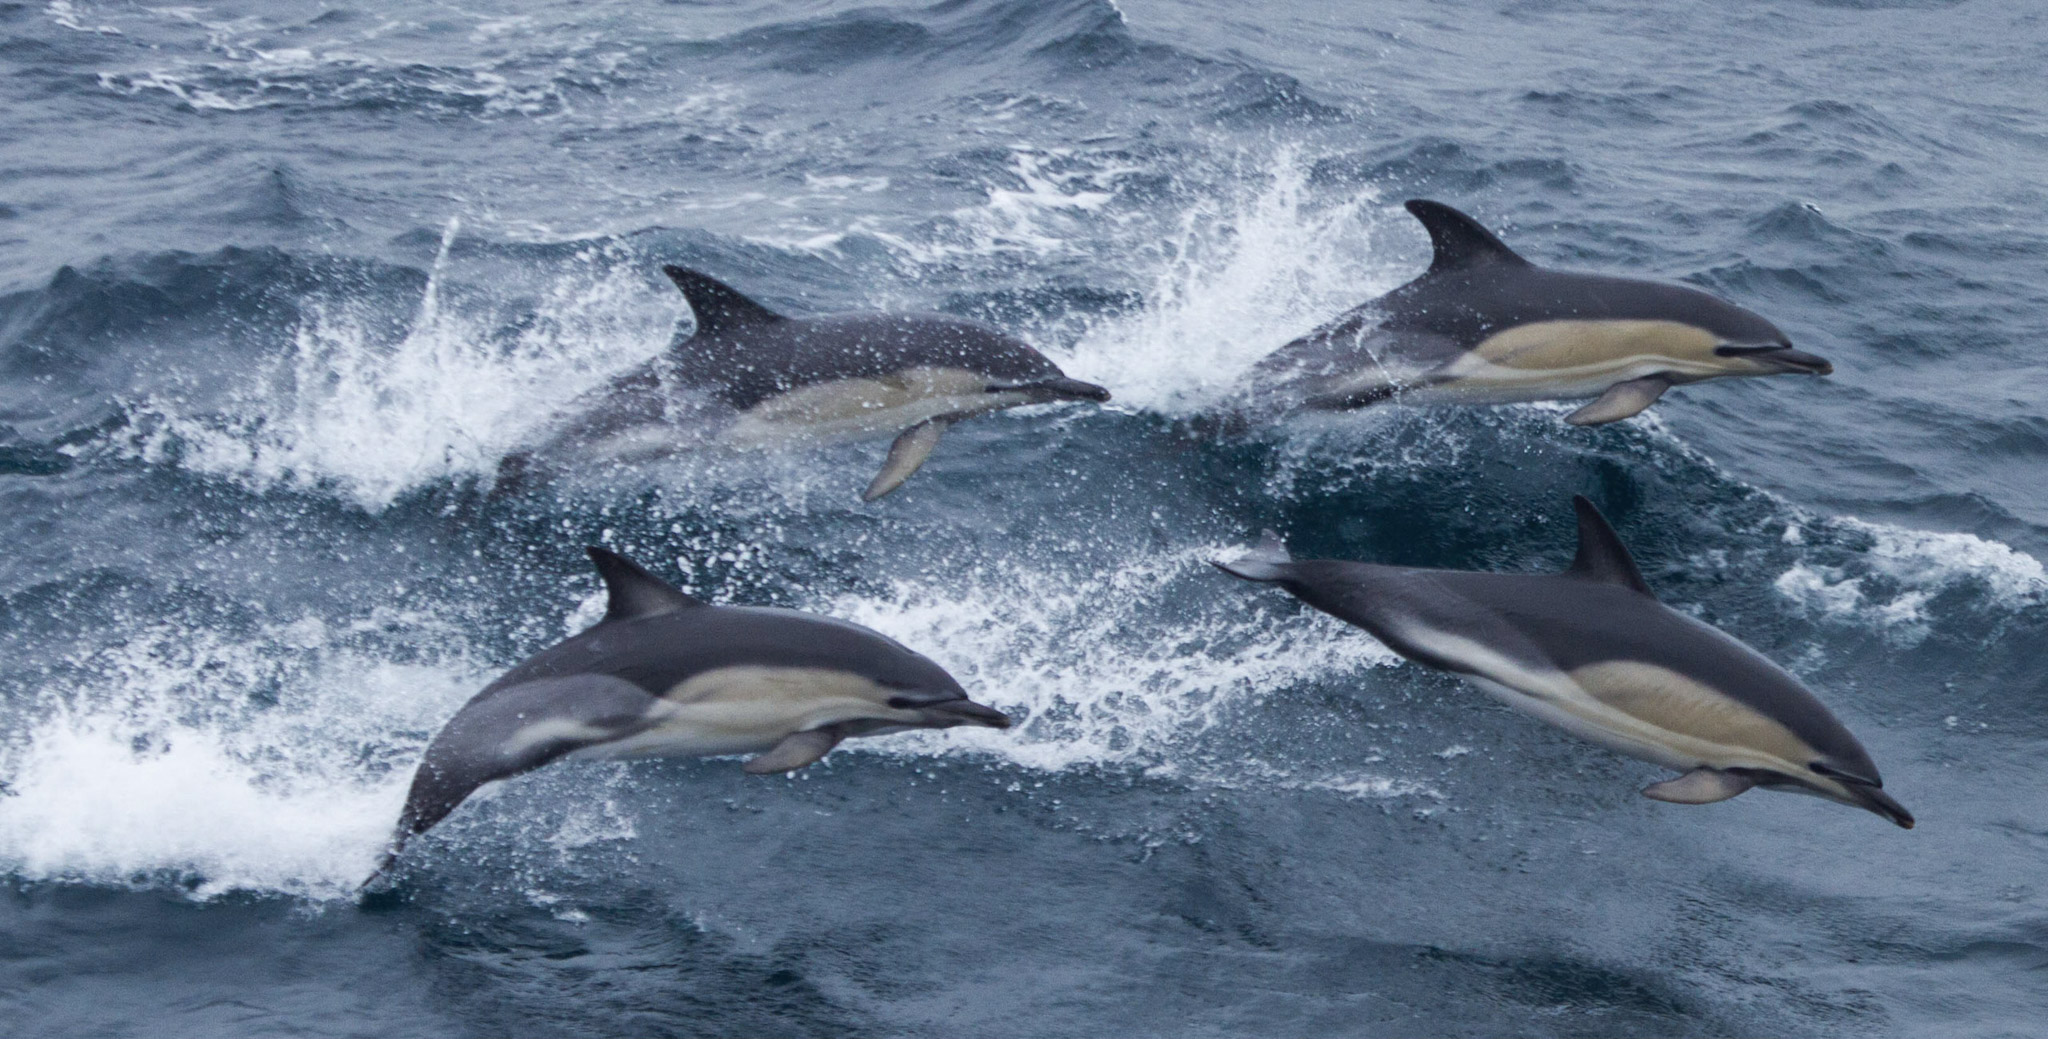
column 718, row 306
column 634, row 591
column 1602, row 556
column 1459, row 240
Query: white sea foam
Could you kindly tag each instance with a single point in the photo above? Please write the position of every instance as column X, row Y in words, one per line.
column 67, row 14
column 1890, row 581
column 1048, row 202
column 276, row 759
column 1102, row 672
column 1930, row 559
column 373, row 419
column 157, row 762
column 1235, row 279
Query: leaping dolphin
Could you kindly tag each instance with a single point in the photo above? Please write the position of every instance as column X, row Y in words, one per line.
column 783, row 380
column 1485, row 326
column 667, row 675
column 1593, row 652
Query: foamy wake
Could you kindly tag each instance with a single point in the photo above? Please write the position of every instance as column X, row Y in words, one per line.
column 371, row 419
column 346, row 410
column 1104, row 673
column 276, row 760
column 273, row 762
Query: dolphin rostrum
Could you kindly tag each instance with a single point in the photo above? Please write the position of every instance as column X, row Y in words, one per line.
column 1592, row 651
column 776, row 380
column 667, row 675
column 1485, row 326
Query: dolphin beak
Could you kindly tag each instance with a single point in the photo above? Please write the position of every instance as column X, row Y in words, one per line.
column 967, row 712
column 1798, row 361
column 1795, row 361
column 1778, row 358
column 1057, row 388
column 1873, row 799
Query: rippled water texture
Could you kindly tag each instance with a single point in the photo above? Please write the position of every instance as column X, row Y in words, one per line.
column 281, row 283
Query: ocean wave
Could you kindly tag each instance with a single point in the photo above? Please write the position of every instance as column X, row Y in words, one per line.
column 256, row 62
column 208, row 761
column 1888, row 577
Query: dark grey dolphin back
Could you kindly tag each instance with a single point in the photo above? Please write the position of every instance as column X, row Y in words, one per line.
column 654, row 636
column 745, row 353
column 1477, row 286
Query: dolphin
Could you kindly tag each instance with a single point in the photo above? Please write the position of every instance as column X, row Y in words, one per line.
column 1485, row 326
column 666, row 675
column 1593, row 652
column 773, row 381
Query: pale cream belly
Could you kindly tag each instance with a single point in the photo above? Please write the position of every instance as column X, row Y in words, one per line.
column 743, row 710
column 859, row 409
column 1562, row 360
column 1653, row 714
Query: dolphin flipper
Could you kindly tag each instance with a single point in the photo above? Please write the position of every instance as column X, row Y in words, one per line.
column 504, row 732
column 911, row 448
column 1701, row 786
column 1622, row 400
column 794, row 752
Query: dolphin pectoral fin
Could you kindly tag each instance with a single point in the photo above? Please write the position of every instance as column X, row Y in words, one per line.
column 794, row 752
column 1699, row 787
column 1622, row 400
column 911, row 448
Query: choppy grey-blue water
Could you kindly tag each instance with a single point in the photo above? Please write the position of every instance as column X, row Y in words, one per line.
column 282, row 283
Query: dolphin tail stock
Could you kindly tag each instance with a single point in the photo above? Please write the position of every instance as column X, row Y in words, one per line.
column 1265, row 561
column 505, row 732
column 381, row 878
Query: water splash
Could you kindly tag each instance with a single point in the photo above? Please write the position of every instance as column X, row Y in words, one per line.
column 207, row 762
column 1100, row 669
column 1233, row 279
column 461, row 387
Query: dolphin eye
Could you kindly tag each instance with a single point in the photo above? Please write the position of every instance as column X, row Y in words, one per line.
column 1732, row 350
